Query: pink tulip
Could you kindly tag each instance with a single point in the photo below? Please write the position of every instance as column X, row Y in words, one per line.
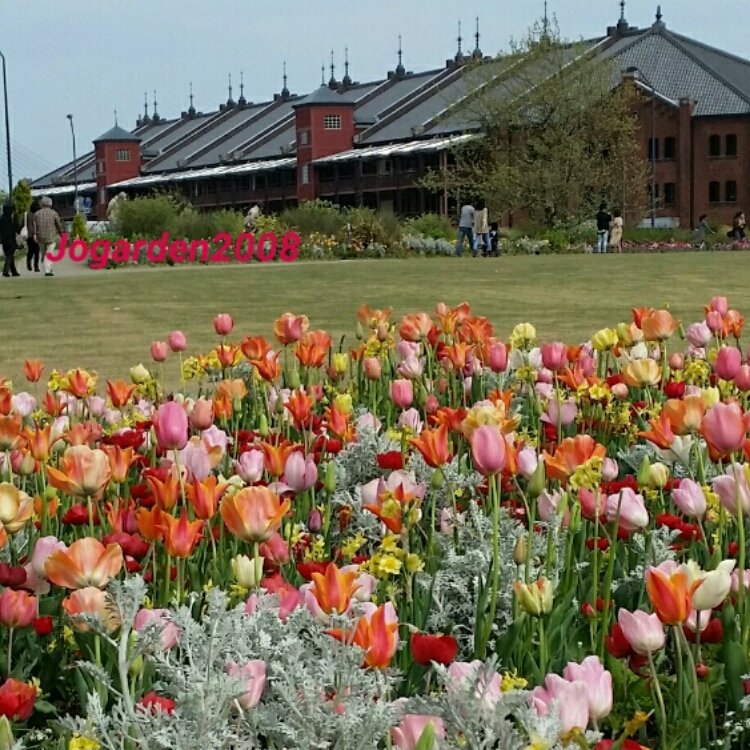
column 698, row 334
column 406, row 349
column 720, row 305
column 488, row 449
column 365, row 583
column 43, row 548
column 724, row 428
column 17, row 608
column 158, row 351
column 598, row 684
column 171, row 426
column 632, row 510
column 498, row 357
column 564, row 413
column 742, row 378
column 528, row 461
column 554, row 356
column 431, row 404
column 411, row 368
column 23, row 404
column 544, row 376
column 714, row 321
column 372, row 367
column 735, row 587
column 253, row 676
column 177, row 341
column 547, row 504
column 689, row 498
column 402, row 393
column 728, row 362
column 250, row 466
column 275, row 550
column 487, row 687
column 407, row 734
column 620, row 390
column 610, row 469
column 396, row 479
column 571, row 699
column 368, row 421
column 642, row 631
column 96, row 406
column 731, row 488
column 315, row 521
column 677, row 361
column 300, row 473
column 202, row 414
column 411, row 420
column 161, row 619
column 223, row 324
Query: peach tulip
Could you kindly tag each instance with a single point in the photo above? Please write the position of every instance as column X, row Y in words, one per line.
column 180, row 535
column 202, row 414
column 658, row 325
column 724, row 429
column 90, row 601
column 84, row 472
column 372, row 367
column 254, row 513
column 17, row 608
column 290, row 327
column 641, row 373
column 87, row 562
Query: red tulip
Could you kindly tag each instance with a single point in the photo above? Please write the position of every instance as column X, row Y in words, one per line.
column 17, row 699
column 426, row 648
column 156, row 703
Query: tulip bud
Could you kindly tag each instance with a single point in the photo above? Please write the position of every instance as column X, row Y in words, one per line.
column 340, row 362
column 643, row 473
column 278, row 405
column 135, row 669
column 245, row 571
column 329, row 483
column 7, row 740
column 436, row 481
column 620, row 390
column 537, row 482
column 359, row 332
column 293, row 379
column 536, row 598
column 139, row 374
column 315, row 521
column 701, row 671
column 223, row 324
column 158, row 351
column 658, row 476
column 263, row 426
column 520, row 551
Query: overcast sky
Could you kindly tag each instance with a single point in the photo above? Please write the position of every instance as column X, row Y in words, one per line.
column 90, row 57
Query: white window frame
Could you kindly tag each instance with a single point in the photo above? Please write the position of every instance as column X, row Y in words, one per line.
column 304, row 137
column 332, row 122
column 305, row 174
column 123, row 154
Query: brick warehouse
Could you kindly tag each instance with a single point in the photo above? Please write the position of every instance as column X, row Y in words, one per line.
column 368, row 143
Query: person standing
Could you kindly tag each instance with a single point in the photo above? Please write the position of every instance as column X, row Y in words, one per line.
column 465, row 229
column 32, row 246
column 738, row 227
column 481, row 230
column 701, row 232
column 603, row 220
column 47, row 229
column 9, row 228
column 615, row 236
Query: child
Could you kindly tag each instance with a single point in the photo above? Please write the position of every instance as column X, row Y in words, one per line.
column 493, row 248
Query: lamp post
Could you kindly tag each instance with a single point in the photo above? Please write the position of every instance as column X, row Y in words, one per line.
column 75, row 166
column 632, row 70
column 7, row 129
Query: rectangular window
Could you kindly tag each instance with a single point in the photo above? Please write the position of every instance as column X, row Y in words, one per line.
column 669, row 148
column 714, row 146
column 100, row 166
column 303, row 138
column 731, row 145
column 305, row 174
column 123, row 154
column 332, row 122
column 653, row 148
column 102, row 195
column 669, row 193
column 714, row 192
column 730, row 191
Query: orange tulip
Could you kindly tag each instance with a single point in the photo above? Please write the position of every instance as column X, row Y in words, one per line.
column 268, row 367
column 83, row 434
column 85, row 472
column 300, row 405
column 222, row 407
column 574, row 378
column 119, row 392
column 204, row 496
column 254, row 513
column 433, row 445
column 376, row 634
column 457, row 355
column 658, row 325
column 415, row 327
column 6, row 401
column 453, row 419
column 17, row 608
column 32, row 369
column 393, row 507
column 179, row 534
column 732, row 324
column 685, row 415
column 90, row 601
column 235, row 390
column 87, row 562
column 670, row 589
column 290, row 327
column 10, row 433
column 374, row 318
column 313, row 348
column 53, row 404
column 38, row 441
column 78, row 383
column 476, row 330
column 339, row 425
column 333, row 590
column 639, row 313
column 149, row 523
column 570, row 454
column 53, row 506
column 660, row 434
column 228, row 355
column 166, row 493
column 120, row 461
column 275, row 456
column 255, row 347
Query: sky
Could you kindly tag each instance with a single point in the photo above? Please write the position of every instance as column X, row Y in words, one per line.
column 92, row 57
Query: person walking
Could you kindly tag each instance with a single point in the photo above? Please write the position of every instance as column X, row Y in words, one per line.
column 615, row 235
column 9, row 228
column 465, row 229
column 481, row 230
column 603, row 220
column 47, row 229
column 32, row 246
column 737, row 231
column 701, row 232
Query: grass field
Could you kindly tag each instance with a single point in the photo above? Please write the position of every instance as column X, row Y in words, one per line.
column 106, row 320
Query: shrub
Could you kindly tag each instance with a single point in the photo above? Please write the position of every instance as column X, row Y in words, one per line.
column 146, row 216
column 365, row 226
column 434, row 226
column 21, row 198
column 314, row 216
column 80, row 230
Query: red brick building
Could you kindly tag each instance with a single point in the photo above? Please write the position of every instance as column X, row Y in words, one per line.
column 369, row 143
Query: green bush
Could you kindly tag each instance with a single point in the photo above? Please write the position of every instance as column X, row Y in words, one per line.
column 146, row 216
column 80, row 230
column 315, row 216
column 434, row 226
column 21, row 198
column 646, row 235
column 365, row 227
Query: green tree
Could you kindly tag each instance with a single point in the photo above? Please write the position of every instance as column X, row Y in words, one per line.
column 21, row 198
column 80, row 230
column 556, row 134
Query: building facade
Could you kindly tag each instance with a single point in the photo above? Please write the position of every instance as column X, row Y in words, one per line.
column 368, row 144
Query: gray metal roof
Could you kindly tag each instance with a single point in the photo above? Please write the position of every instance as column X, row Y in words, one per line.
column 323, row 95
column 116, row 133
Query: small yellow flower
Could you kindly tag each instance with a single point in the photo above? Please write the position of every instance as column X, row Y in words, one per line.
column 351, row 546
column 414, row 563
column 208, row 585
column 68, row 636
column 82, row 743
column 511, row 681
column 389, row 565
column 633, row 725
column 598, row 392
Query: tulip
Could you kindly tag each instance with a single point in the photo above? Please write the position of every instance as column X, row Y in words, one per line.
column 658, row 325
column 736, row 580
column 411, row 421
column 158, row 351
column 330, row 592
column 376, row 634
column 677, row 361
column 571, row 699
column 290, row 328
column 410, row 734
column 714, row 321
column 246, row 572
column 253, row 677
column 32, row 370
column 632, row 510
column 562, row 413
column 433, row 445
column 690, row 499
column 732, row 488
column 402, row 393
column 84, row 472
column 554, row 356
column 372, row 368
column 17, row 608
column 604, row 339
column 724, row 429
column 714, row 586
column 180, row 535
column 742, row 378
column 643, row 632
column 487, row 687
column 528, row 460
column 698, row 334
column 598, row 683
column 43, row 548
column 275, row 550
column 177, row 341
column 728, row 362
column 610, row 469
column 254, row 513
column 87, row 562
column 441, row 649
column 202, row 414
column 642, row 373
column 536, row 598
column 223, row 324
column 488, row 450
column 670, row 588
column 547, row 505
column 90, row 601
column 161, row 618
column 171, row 426
column 498, row 357
column 300, row 473
column 658, row 476
column 17, row 699
column 250, row 466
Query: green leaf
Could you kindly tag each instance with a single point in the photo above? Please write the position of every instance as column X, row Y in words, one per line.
column 427, row 739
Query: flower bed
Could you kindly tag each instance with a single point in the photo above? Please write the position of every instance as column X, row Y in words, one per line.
column 439, row 539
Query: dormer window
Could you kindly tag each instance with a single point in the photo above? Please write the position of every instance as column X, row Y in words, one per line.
column 123, row 154
column 332, row 122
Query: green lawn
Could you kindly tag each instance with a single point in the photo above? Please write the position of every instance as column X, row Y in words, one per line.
column 106, row 320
